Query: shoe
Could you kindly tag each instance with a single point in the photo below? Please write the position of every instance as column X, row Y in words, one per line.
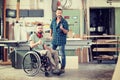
column 62, row 71
column 47, row 74
column 56, row 71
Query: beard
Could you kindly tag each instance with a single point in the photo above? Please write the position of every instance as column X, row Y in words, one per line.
column 59, row 16
column 40, row 32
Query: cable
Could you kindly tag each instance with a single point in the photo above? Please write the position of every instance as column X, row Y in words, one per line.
column 66, row 4
column 63, row 3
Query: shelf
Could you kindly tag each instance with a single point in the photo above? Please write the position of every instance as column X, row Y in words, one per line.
column 106, row 57
column 106, row 49
column 106, row 41
column 101, row 36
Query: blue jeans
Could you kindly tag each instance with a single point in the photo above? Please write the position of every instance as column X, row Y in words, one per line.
column 62, row 53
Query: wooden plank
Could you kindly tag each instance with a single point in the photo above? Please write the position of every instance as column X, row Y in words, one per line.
column 102, row 43
column 107, row 41
column 18, row 10
column 8, row 62
column 101, row 36
column 105, row 49
column 4, row 19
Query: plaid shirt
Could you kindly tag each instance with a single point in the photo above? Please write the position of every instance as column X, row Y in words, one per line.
column 59, row 38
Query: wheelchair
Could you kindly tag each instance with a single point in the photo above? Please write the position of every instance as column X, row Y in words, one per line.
column 33, row 62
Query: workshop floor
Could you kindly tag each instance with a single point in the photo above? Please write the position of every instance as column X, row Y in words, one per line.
column 87, row 71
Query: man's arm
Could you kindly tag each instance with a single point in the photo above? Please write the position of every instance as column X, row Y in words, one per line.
column 51, row 33
column 64, row 26
column 64, row 30
column 46, row 47
column 33, row 44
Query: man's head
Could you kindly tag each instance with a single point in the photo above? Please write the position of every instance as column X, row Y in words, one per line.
column 59, row 12
column 39, row 28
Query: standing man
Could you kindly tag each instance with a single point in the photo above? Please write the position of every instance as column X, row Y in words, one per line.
column 59, row 29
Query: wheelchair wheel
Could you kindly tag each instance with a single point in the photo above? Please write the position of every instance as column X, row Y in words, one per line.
column 31, row 63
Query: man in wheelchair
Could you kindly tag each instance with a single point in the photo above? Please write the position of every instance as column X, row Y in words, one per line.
column 37, row 42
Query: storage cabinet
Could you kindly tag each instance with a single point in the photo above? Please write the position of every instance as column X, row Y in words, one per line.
column 102, row 21
column 105, row 47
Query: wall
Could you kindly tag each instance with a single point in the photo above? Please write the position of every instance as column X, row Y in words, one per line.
column 32, row 4
column 39, row 4
column 117, row 21
column 46, row 5
column 102, row 3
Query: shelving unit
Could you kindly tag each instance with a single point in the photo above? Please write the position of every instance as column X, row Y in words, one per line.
column 105, row 47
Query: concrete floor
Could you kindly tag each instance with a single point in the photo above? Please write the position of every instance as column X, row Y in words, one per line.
column 88, row 71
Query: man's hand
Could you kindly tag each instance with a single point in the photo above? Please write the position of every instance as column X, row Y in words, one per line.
column 47, row 48
column 39, row 42
column 49, row 38
column 61, row 27
column 64, row 30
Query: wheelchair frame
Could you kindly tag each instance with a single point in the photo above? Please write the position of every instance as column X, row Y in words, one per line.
column 33, row 62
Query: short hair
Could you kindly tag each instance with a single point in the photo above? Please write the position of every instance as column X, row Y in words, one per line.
column 59, row 9
column 39, row 24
